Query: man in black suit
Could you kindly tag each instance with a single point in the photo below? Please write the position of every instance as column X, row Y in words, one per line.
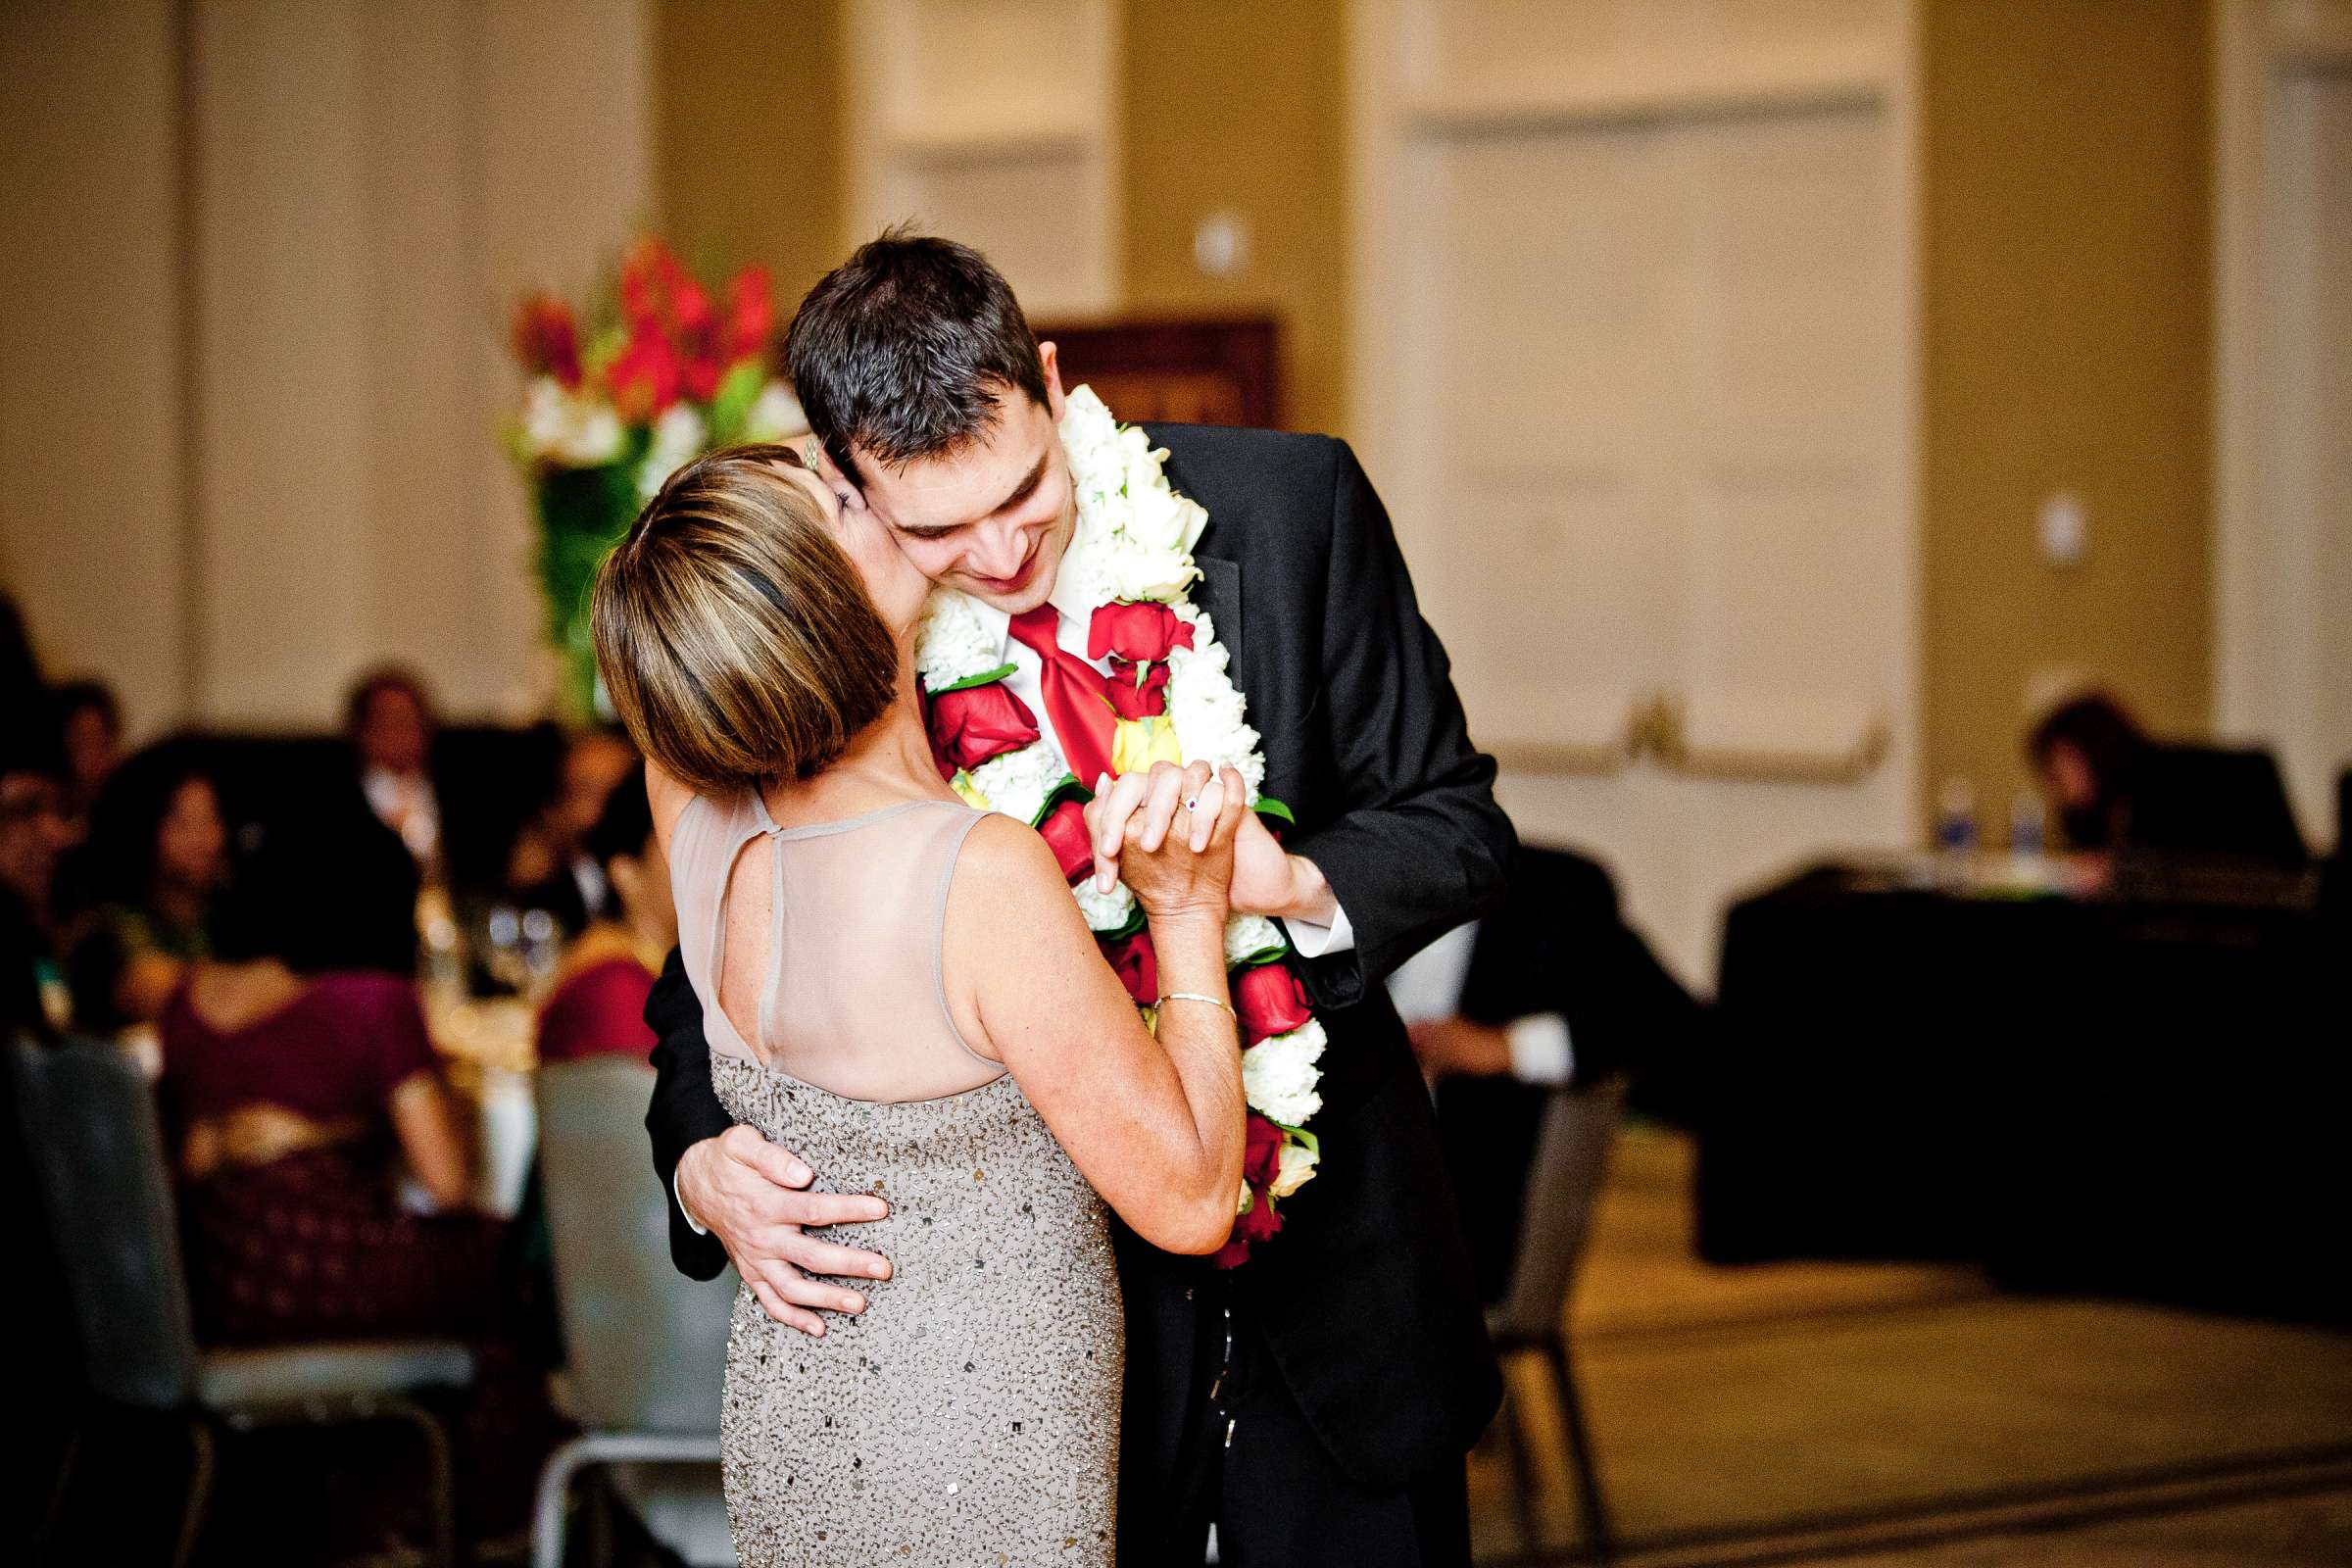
column 1315, row 1403
column 1553, row 991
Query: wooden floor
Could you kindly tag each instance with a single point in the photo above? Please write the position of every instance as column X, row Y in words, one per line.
column 1910, row 1417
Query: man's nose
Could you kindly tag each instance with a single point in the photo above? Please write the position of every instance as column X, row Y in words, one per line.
column 1000, row 551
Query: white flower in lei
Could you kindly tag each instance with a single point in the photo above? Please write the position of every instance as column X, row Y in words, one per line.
column 1133, row 543
column 1019, row 782
column 956, row 642
column 1279, row 1076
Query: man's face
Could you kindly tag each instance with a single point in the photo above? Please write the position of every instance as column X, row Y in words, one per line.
column 393, row 732
column 994, row 517
column 32, row 834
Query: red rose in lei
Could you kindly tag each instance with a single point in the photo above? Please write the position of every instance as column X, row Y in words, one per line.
column 1065, row 831
column 1261, row 1152
column 1130, row 699
column 1138, row 633
column 1137, row 964
column 1269, row 1001
column 971, row 726
column 1262, row 1223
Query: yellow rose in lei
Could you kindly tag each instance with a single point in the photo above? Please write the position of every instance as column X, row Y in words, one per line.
column 1137, row 743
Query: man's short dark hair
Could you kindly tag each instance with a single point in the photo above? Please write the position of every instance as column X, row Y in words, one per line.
column 905, row 349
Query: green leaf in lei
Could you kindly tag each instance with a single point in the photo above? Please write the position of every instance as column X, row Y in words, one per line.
column 1069, row 789
column 1270, row 953
column 981, row 679
column 1268, row 806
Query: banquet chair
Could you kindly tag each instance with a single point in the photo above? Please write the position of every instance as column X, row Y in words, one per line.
column 97, row 1150
column 646, row 1347
column 1572, row 1157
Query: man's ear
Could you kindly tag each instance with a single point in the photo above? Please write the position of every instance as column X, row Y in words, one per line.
column 1051, row 357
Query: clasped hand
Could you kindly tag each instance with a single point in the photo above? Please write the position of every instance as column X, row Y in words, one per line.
column 1173, row 835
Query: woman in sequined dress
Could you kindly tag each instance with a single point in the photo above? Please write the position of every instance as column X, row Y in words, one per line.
column 901, row 991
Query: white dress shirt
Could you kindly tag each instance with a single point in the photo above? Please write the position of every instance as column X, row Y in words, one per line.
column 1428, row 985
column 1075, row 618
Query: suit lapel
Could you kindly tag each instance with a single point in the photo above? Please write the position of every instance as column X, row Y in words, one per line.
column 1219, row 593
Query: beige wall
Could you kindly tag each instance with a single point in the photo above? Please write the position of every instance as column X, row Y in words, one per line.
column 2067, row 346
column 1229, row 109
column 249, row 439
column 91, row 397
column 1240, row 109
column 747, row 96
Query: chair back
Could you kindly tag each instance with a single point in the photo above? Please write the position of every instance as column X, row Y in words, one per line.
column 647, row 1345
column 1572, row 1157
column 97, row 1153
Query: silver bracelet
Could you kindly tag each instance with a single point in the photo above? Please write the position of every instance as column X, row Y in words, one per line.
column 1194, row 996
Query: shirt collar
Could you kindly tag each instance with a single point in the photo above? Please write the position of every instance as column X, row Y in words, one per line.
column 1066, row 598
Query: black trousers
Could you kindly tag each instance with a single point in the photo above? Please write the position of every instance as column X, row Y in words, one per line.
column 1253, row 1467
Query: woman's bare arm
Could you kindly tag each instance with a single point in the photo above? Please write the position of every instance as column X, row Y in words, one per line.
column 1156, row 1125
column 426, row 1121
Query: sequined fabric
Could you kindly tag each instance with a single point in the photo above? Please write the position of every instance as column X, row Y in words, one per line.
column 971, row 1414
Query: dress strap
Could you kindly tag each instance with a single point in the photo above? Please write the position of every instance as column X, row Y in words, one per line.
column 776, row 932
column 951, row 854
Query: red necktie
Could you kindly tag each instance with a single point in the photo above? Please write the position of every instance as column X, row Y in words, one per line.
column 1073, row 691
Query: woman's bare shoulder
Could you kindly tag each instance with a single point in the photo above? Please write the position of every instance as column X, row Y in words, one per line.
column 1005, row 859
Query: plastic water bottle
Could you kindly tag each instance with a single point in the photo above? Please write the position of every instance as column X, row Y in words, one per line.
column 2026, row 825
column 1956, row 817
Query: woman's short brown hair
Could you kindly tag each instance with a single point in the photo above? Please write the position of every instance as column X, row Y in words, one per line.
column 734, row 636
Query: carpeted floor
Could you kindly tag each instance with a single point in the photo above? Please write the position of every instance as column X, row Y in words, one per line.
column 1912, row 1416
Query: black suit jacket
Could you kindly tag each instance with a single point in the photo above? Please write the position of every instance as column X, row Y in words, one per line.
column 1364, row 1298
column 1558, row 944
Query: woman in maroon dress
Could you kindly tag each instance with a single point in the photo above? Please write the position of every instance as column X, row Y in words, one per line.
column 598, row 1006
column 301, row 1091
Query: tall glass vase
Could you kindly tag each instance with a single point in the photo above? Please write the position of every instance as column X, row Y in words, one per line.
column 583, row 512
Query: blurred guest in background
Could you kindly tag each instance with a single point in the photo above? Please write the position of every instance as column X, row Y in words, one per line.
column 299, row 1086
column 551, row 867
column 89, row 726
column 1553, row 991
column 390, row 722
column 22, row 684
column 155, row 857
column 598, row 1005
column 33, row 835
column 2087, row 754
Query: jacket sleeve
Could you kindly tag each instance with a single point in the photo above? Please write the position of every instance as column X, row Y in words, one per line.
column 685, row 1108
column 1418, row 844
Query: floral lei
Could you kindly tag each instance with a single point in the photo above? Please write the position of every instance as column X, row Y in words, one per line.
column 1132, row 554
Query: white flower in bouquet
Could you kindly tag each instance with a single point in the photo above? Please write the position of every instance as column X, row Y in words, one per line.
column 1278, row 1075
column 775, row 415
column 1295, row 1169
column 957, row 640
column 568, row 427
column 678, row 439
column 1019, row 782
